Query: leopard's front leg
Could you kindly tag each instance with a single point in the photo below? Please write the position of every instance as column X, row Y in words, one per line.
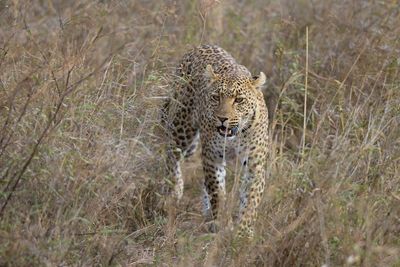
column 214, row 177
column 251, row 187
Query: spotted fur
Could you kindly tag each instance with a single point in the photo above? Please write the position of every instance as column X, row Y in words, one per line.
column 218, row 103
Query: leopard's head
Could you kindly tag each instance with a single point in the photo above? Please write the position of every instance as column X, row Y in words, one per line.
column 232, row 100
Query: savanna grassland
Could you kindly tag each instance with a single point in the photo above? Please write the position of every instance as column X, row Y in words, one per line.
column 82, row 151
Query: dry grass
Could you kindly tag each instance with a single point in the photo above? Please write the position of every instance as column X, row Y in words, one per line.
column 81, row 157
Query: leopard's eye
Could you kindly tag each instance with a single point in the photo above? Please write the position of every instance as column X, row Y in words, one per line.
column 239, row 99
column 215, row 97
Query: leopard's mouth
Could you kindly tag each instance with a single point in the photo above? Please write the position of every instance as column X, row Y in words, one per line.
column 227, row 132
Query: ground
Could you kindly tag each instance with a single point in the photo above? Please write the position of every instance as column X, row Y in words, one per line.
column 82, row 158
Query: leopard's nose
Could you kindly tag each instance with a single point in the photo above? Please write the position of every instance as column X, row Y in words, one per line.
column 223, row 120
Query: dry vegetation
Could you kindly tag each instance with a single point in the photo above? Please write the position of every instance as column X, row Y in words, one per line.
column 81, row 155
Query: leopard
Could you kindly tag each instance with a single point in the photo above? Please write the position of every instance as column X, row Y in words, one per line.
column 219, row 104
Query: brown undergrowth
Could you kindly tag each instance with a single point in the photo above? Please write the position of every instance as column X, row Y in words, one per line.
column 81, row 154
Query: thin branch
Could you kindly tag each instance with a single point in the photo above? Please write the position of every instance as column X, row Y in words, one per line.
column 305, row 101
column 17, row 177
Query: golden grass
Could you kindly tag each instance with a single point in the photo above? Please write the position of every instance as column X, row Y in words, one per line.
column 81, row 154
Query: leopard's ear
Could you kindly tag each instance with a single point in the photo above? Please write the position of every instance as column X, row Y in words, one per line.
column 209, row 73
column 259, row 80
